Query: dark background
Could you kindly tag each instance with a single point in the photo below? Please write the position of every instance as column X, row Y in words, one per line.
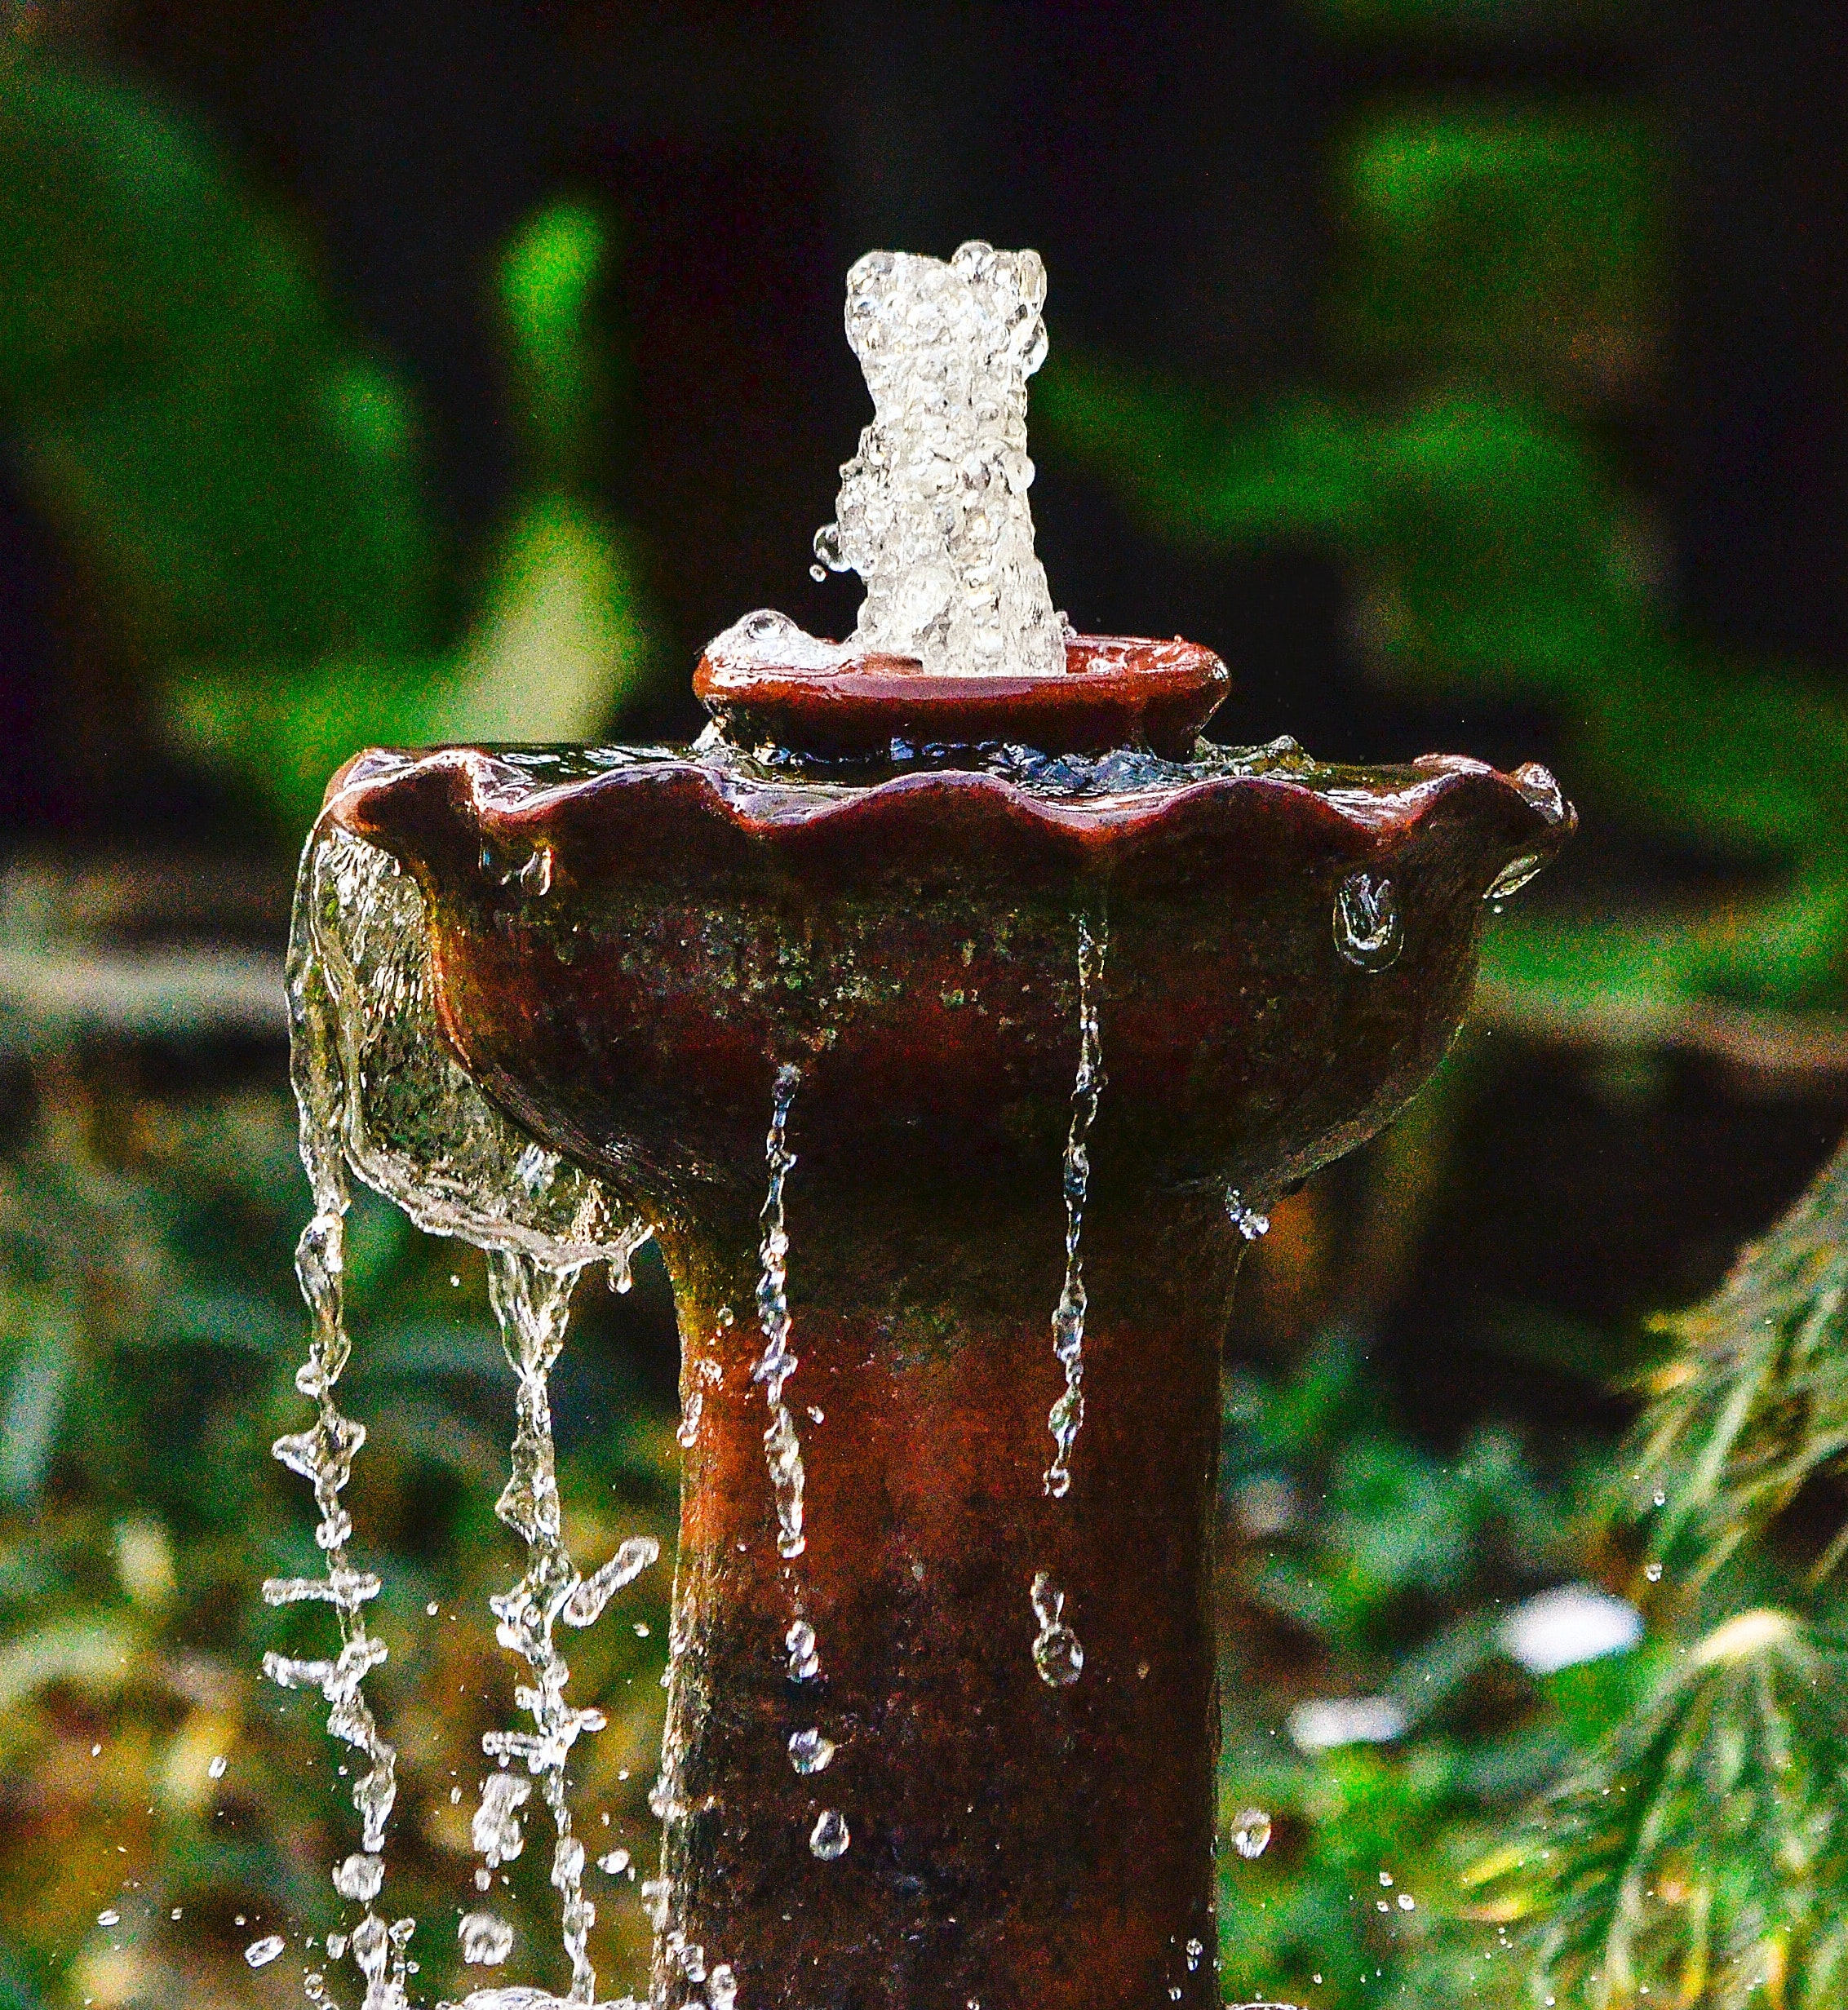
column 1167, row 163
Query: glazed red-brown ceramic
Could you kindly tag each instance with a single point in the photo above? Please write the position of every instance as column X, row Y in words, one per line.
column 1127, row 692
column 1286, row 950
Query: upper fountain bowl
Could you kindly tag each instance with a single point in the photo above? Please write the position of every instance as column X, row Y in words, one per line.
column 768, row 684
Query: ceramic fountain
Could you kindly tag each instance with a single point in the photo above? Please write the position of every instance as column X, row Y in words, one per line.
column 951, row 1014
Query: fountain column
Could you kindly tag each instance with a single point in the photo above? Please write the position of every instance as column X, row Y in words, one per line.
column 1019, row 1826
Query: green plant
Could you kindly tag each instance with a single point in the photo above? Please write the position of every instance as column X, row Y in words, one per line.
column 242, row 480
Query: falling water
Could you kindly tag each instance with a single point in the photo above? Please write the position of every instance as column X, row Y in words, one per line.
column 782, row 1447
column 1057, row 1651
column 1067, row 1414
column 532, row 1303
column 323, row 1454
column 809, row 1751
column 377, row 1090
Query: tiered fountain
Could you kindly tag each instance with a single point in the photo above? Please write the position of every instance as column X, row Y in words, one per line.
column 949, row 1014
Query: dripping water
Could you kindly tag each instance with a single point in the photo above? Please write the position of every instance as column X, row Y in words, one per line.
column 1067, row 1414
column 323, row 1454
column 1057, row 1651
column 782, row 1447
column 379, row 1093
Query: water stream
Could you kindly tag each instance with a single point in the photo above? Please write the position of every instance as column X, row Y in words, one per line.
column 377, row 1090
column 1067, row 1414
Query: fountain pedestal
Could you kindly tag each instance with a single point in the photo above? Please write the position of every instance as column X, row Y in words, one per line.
column 1010, row 1839
column 651, row 962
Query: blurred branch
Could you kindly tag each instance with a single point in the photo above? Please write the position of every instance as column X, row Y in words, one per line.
column 49, row 996
column 1772, row 1051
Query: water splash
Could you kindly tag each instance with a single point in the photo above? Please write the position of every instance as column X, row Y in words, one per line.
column 378, row 1092
column 323, row 1454
column 1245, row 1217
column 1067, row 1414
column 932, row 511
column 1057, row 1653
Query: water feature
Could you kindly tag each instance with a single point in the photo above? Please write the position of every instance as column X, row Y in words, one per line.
column 932, row 512
column 800, row 1002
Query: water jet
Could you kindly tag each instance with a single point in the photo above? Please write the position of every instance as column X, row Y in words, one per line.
column 949, row 1014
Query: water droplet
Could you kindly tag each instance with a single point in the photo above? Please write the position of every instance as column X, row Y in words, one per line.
column 804, row 1664
column 495, row 1829
column 1249, row 1222
column 1368, row 932
column 1511, row 878
column 431, row 1609
column 1653, row 1572
column 260, row 1953
column 721, row 1987
column 1195, row 1948
column 1386, row 1878
column 360, row 1877
column 687, row 1435
column 486, row 1939
column 218, row 1768
column 809, row 1752
column 1251, row 1833
column 614, row 1864
column 1661, row 1497
column 535, row 875
column 1406, row 1902
column 1056, row 1651
column 829, row 1837
column 817, row 572
column 110, row 1917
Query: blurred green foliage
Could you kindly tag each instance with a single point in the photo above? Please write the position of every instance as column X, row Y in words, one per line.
column 1500, row 292
column 242, row 480
column 239, row 473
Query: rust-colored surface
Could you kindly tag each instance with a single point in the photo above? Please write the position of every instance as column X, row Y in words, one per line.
column 1123, row 691
column 911, row 946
